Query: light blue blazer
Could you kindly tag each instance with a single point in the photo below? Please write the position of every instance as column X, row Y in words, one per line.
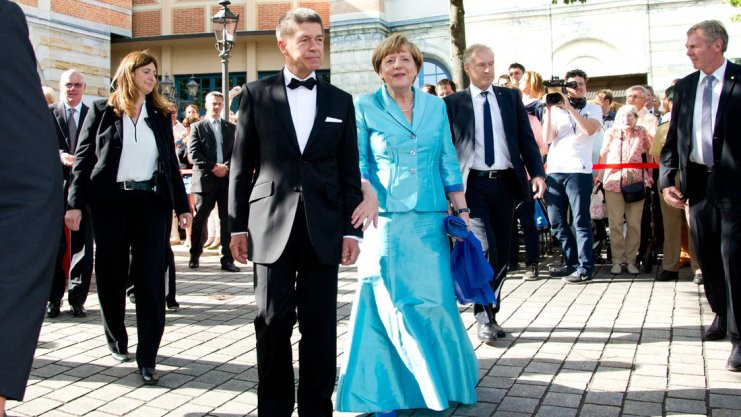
column 411, row 167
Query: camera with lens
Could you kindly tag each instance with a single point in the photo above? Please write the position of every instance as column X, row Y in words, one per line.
column 556, row 98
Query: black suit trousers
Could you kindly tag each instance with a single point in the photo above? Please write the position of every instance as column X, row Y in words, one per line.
column 296, row 286
column 131, row 233
column 205, row 202
column 492, row 204
column 81, row 265
column 715, row 238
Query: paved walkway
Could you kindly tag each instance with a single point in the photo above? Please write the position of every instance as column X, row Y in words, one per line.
column 616, row 346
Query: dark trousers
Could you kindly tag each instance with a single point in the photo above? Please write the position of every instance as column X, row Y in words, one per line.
column 492, row 204
column 574, row 191
column 81, row 265
column 525, row 214
column 715, row 232
column 134, row 228
column 205, row 202
column 296, row 286
column 170, row 285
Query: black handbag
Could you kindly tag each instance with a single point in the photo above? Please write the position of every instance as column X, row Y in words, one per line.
column 633, row 192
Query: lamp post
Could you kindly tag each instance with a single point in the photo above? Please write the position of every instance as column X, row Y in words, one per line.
column 192, row 87
column 224, row 24
column 166, row 87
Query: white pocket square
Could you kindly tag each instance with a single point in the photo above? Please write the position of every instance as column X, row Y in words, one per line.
column 332, row 120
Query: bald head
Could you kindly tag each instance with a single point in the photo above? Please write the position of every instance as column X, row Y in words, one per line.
column 71, row 87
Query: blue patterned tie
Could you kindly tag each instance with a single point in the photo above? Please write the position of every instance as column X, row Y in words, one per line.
column 488, row 132
column 219, row 141
column 707, row 121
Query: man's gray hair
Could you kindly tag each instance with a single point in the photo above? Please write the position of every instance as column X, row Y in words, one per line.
column 712, row 30
column 69, row 73
column 642, row 89
column 468, row 53
column 288, row 22
column 214, row 94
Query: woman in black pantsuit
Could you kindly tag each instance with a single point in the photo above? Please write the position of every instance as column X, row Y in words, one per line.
column 127, row 172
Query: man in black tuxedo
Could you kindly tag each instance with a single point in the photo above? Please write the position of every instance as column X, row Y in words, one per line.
column 496, row 151
column 69, row 114
column 30, row 205
column 295, row 181
column 703, row 146
column 210, row 148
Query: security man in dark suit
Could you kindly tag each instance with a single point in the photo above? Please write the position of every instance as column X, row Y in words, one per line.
column 30, row 205
column 703, row 146
column 496, row 151
column 210, row 148
column 69, row 114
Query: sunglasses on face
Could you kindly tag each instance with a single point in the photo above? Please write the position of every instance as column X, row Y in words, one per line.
column 73, row 85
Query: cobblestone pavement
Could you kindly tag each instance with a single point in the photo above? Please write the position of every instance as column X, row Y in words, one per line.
column 615, row 346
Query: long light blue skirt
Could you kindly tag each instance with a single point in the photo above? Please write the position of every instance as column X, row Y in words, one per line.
column 407, row 347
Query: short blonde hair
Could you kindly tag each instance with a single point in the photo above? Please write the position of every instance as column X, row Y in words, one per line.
column 534, row 83
column 49, row 94
column 392, row 45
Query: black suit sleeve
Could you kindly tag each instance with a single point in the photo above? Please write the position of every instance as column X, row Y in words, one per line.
column 349, row 165
column 197, row 153
column 244, row 164
column 85, row 158
column 669, row 158
column 528, row 147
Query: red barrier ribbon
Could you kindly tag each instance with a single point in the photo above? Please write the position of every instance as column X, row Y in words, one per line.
column 643, row 165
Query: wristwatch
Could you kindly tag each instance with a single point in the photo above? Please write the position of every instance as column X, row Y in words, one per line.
column 462, row 210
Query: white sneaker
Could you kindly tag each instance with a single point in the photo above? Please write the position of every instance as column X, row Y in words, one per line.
column 616, row 269
column 633, row 269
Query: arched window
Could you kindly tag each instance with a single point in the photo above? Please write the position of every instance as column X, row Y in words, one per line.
column 432, row 71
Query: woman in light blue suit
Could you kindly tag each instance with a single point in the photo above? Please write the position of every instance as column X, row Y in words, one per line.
column 407, row 346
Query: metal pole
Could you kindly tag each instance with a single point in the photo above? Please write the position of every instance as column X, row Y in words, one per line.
column 225, row 83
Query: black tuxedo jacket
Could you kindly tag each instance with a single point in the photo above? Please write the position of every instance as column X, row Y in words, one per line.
column 726, row 141
column 99, row 153
column 269, row 175
column 62, row 130
column 523, row 150
column 202, row 150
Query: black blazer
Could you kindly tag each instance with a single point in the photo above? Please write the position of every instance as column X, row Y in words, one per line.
column 269, row 174
column 523, row 150
column 60, row 117
column 99, row 153
column 726, row 144
column 202, row 151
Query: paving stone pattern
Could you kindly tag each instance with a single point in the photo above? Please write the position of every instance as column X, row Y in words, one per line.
column 617, row 346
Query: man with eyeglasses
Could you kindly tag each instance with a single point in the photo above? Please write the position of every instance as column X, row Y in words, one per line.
column 69, row 113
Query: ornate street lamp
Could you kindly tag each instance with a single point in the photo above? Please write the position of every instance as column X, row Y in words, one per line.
column 166, row 87
column 192, row 87
column 224, row 23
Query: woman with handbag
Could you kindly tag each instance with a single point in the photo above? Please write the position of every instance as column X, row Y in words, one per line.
column 625, row 188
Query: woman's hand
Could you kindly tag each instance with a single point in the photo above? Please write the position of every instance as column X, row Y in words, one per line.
column 367, row 211
column 72, row 219
column 596, row 181
column 466, row 218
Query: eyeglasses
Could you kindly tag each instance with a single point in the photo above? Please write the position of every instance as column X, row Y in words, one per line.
column 73, row 85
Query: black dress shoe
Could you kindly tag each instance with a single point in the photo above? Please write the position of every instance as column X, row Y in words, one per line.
column 149, row 376
column 486, row 332
column 122, row 357
column 79, row 311
column 560, row 271
column 667, row 275
column 717, row 330
column 174, row 306
column 193, row 264
column 52, row 310
column 229, row 266
column 734, row 361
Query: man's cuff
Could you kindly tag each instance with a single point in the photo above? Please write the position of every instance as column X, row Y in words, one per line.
column 359, row 239
column 238, row 233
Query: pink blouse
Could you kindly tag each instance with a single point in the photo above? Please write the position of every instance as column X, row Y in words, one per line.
column 634, row 143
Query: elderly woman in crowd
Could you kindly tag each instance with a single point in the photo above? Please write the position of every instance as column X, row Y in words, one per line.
column 625, row 142
column 407, row 345
column 127, row 172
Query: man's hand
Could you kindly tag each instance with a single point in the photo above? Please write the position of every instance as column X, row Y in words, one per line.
column 220, row 170
column 238, row 247
column 350, row 251
column 674, row 197
column 67, row 159
column 72, row 219
column 539, row 187
column 185, row 220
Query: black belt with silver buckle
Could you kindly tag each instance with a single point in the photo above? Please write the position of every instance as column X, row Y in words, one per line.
column 148, row 185
column 492, row 175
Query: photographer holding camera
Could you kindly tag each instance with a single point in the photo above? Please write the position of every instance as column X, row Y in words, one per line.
column 569, row 126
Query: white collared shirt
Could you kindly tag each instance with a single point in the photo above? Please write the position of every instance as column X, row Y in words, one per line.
column 501, row 152
column 719, row 74
column 139, row 153
column 302, row 102
column 218, row 138
column 78, row 109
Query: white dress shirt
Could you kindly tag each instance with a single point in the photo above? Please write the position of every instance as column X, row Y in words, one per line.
column 218, row 138
column 696, row 155
column 139, row 153
column 501, row 152
column 302, row 102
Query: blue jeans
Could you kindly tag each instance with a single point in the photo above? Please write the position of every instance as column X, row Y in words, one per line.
column 572, row 190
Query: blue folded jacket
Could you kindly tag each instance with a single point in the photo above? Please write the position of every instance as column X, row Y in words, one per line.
column 471, row 271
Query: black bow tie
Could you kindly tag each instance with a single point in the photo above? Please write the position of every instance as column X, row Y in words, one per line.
column 308, row 83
